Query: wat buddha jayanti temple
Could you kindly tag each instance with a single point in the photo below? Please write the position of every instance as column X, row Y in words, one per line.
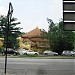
column 32, row 40
column 35, row 39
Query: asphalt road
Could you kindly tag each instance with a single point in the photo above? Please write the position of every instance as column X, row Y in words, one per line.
column 30, row 66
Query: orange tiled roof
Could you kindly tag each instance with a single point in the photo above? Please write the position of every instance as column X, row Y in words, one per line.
column 39, row 39
column 34, row 33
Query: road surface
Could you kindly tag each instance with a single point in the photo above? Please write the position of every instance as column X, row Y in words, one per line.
column 32, row 66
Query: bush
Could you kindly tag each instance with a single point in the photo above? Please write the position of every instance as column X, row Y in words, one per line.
column 1, row 49
column 28, row 55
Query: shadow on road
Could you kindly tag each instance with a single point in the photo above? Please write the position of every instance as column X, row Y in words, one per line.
column 39, row 71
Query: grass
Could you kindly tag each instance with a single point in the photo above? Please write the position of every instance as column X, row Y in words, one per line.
column 41, row 57
column 48, row 57
column 27, row 55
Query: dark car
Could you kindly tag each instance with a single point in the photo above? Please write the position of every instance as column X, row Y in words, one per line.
column 9, row 51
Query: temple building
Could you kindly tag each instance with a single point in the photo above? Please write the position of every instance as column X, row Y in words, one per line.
column 35, row 39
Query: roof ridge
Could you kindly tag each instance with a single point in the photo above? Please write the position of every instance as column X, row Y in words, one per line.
column 34, row 32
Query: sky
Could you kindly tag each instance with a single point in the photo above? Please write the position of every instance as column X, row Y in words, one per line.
column 33, row 13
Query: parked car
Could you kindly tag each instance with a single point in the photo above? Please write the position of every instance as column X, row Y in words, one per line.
column 31, row 52
column 25, row 52
column 47, row 52
column 21, row 51
column 68, row 53
column 9, row 51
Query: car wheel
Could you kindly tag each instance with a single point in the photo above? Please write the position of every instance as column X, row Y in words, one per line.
column 63, row 55
column 72, row 55
column 55, row 54
column 35, row 54
column 25, row 53
column 3, row 53
column 14, row 54
column 46, row 54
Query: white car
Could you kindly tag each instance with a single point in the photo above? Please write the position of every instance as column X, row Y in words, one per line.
column 68, row 53
column 31, row 52
column 47, row 52
column 21, row 51
column 25, row 52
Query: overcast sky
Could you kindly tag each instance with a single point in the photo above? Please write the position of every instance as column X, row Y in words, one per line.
column 33, row 13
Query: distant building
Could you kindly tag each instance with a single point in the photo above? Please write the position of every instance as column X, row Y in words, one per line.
column 35, row 39
column 31, row 40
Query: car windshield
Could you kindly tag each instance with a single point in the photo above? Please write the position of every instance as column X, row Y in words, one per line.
column 9, row 49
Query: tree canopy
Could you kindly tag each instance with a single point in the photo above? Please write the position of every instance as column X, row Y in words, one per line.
column 14, row 31
column 59, row 39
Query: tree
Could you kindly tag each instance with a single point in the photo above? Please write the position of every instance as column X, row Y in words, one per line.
column 51, row 33
column 14, row 31
column 59, row 39
column 44, row 33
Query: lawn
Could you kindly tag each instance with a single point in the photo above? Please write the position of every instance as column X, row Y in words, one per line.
column 41, row 56
column 48, row 57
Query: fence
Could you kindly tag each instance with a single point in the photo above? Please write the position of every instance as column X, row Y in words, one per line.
column 36, row 72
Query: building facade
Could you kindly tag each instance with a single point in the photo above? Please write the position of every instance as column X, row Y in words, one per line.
column 35, row 39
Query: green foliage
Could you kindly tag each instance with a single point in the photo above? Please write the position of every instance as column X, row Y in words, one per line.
column 1, row 49
column 13, row 31
column 59, row 39
column 44, row 33
column 28, row 55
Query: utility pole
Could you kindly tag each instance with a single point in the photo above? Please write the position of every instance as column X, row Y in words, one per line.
column 9, row 15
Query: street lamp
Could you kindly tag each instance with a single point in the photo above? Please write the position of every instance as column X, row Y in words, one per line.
column 9, row 15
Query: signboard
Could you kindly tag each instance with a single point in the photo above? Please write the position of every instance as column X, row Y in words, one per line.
column 69, row 26
column 70, row 6
column 69, row 14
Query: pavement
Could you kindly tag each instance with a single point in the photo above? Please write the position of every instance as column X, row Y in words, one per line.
column 31, row 66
